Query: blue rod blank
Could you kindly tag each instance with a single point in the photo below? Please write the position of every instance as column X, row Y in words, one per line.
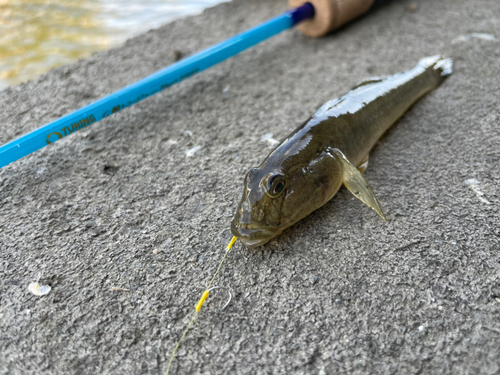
column 148, row 86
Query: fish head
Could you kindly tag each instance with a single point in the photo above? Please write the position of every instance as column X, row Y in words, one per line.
column 257, row 218
column 274, row 199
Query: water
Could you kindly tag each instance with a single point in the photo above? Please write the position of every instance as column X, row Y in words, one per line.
column 38, row 35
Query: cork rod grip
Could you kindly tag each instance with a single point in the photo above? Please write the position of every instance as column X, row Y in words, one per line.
column 330, row 14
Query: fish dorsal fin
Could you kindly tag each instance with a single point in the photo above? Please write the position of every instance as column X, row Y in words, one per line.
column 354, row 181
column 367, row 82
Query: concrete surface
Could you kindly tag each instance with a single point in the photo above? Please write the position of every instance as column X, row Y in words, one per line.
column 120, row 205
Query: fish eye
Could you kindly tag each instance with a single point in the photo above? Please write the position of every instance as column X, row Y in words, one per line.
column 278, row 188
column 275, row 184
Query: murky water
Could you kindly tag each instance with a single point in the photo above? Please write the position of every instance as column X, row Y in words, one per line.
column 37, row 35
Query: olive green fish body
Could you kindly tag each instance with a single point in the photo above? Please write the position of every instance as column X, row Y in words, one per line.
column 310, row 165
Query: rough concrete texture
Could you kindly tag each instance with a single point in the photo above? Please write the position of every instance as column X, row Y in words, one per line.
column 119, row 204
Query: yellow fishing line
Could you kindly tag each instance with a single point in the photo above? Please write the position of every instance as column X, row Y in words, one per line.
column 199, row 305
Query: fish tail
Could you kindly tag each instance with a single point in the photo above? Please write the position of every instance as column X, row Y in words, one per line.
column 442, row 66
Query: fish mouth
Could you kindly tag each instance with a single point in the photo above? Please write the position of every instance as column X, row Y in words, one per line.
column 252, row 236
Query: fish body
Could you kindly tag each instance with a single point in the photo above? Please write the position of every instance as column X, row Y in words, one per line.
column 329, row 149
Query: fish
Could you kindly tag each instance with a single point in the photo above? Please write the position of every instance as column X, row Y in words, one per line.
column 329, row 150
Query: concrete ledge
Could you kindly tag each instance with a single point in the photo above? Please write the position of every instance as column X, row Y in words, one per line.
column 119, row 204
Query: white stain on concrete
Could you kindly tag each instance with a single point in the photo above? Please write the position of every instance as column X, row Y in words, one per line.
column 479, row 36
column 192, row 151
column 474, row 185
column 268, row 137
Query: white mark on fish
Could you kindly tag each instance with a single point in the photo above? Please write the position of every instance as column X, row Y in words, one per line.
column 474, row 185
column 268, row 137
column 192, row 151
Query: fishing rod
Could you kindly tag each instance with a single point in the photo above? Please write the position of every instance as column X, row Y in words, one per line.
column 316, row 18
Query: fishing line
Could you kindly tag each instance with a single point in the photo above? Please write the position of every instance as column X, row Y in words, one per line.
column 200, row 304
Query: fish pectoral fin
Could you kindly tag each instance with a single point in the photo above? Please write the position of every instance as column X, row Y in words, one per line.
column 354, row 181
column 364, row 164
